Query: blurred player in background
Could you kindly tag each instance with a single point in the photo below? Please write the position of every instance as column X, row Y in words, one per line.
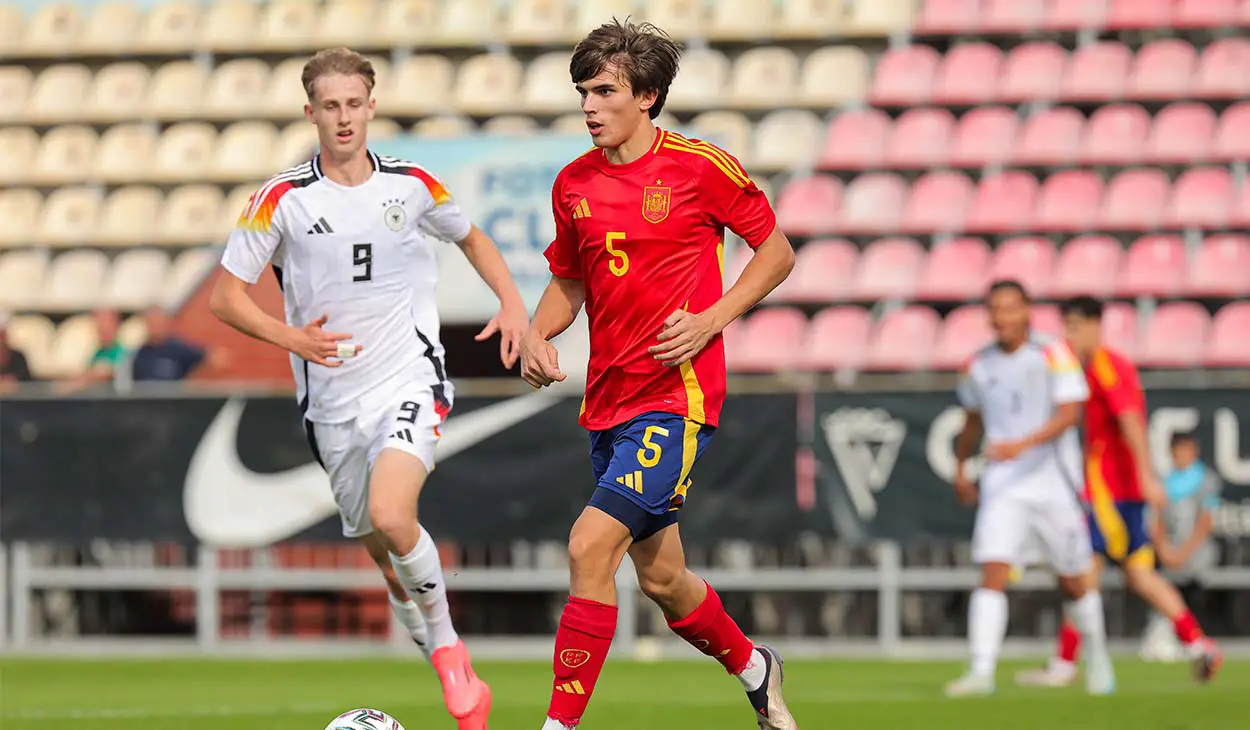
column 1024, row 393
column 640, row 222
column 1120, row 482
column 348, row 235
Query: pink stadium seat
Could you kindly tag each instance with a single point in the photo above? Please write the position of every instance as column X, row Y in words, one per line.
column 1183, row 132
column 1003, row 203
column 921, row 139
column 985, row 136
column 964, row 331
column 938, row 203
column 1087, row 265
column 1119, row 328
column 1045, row 318
column 810, row 205
column 1075, row 15
column 1032, row 71
column 1204, row 13
column 837, row 339
column 1068, row 201
column 1012, row 16
column 888, row 269
column 1163, row 69
column 903, row 339
column 1229, row 346
column 968, row 74
column 1050, row 137
column 1135, row 200
column 773, row 340
column 1154, row 266
column 904, row 76
column 873, row 203
column 1239, row 215
column 1224, row 70
column 1175, row 337
column 1133, row 14
column 856, row 140
column 1232, row 135
column 823, row 271
column 947, row 17
column 1221, row 268
column 1029, row 260
column 1098, row 72
column 955, row 271
column 1201, row 197
column 1116, row 135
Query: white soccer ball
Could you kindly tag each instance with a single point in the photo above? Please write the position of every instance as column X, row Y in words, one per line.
column 364, row 719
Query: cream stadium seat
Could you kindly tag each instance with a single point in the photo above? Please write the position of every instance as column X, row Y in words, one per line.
column 785, row 139
column 488, row 83
column 880, row 17
column 177, row 91
column 346, row 23
column 727, row 130
column 135, row 280
column 298, row 142
column 682, row 19
column 406, row 22
column 184, row 153
column 172, row 25
column 444, row 126
column 420, row 85
column 701, row 81
column 11, row 22
column 244, row 150
column 536, row 21
column 510, row 125
column 468, row 23
column 287, row 25
column 590, row 14
column 58, row 94
column 75, row 280
column 125, row 153
column 192, row 216
column 228, row 213
column 574, row 123
column 384, row 128
column 111, row 28
column 70, row 351
column 21, row 278
column 736, row 20
column 285, row 98
column 547, row 84
column 52, row 30
column 15, row 85
column 20, row 145
column 117, row 91
column 834, row 76
column 19, row 209
column 128, row 216
column 230, row 25
column 32, row 334
column 765, row 78
column 69, row 217
column 133, row 332
column 237, row 89
column 186, row 273
column 65, row 155
column 809, row 19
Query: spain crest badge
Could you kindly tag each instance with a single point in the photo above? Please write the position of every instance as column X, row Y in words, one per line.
column 655, row 202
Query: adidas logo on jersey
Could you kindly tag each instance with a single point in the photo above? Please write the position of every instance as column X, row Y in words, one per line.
column 581, row 210
column 321, row 226
column 403, row 435
column 633, row 480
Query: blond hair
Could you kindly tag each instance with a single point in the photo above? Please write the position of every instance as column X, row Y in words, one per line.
column 337, row 61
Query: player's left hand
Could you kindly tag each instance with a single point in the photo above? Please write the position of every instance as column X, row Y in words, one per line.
column 510, row 323
column 684, row 336
column 1005, row 450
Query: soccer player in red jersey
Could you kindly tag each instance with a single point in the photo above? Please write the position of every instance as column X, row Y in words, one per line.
column 1120, row 483
column 640, row 222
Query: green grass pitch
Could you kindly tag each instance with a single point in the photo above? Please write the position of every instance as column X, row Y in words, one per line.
column 306, row 695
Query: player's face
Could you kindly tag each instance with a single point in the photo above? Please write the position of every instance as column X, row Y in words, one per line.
column 1009, row 315
column 613, row 113
column 1083, row 334
column 341, row 108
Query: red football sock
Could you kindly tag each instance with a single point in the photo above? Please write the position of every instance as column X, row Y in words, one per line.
column 582, row 643
column 1069, row 643
column 710, row 630
column 1187, row 628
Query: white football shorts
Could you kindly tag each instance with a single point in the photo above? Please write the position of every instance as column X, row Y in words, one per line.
column 406, row 417
column 1035, row 521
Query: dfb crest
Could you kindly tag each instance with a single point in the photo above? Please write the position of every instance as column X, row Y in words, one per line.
column 655, row 202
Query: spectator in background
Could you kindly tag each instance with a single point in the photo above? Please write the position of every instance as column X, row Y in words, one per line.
column 109, row 354
column 164, row 357
column 13, row 367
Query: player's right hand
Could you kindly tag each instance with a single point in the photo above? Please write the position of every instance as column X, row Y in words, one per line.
column 1152, row 493
column 315, row 345
column 965, row 490
column 540, row 363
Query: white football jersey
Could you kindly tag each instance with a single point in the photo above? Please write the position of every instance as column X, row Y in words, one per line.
column 363, row 256
column 1017, row 393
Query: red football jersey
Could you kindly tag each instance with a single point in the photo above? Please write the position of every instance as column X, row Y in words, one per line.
column 1114, row 389
column 646, row 238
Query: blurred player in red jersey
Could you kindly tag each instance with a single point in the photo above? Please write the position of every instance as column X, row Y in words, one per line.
column 640, row 223
column 1120, row 482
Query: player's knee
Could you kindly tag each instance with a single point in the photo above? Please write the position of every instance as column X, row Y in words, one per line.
column 1073, row 586
column 996, row 576
column 662, row 583
column 397, row 526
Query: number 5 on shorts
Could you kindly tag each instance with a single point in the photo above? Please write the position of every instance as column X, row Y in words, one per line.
column 650, row 453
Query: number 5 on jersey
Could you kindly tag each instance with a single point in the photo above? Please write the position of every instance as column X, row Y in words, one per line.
column 620, row 260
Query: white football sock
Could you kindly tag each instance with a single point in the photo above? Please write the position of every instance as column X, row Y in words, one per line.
column 1087, row 616
column 555, row 725
column 421, row 572
column 409, row 614
column 987, row 625
column 752, row 676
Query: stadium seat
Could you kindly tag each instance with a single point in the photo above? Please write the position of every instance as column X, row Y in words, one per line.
column 298, row 142
column 20, row 145
column 19, row 209
column 834, row 76
column 985, row 136
column 536, row 21
column 810, row 205
column 1016, row 17
column 186, row 273
column 32, row 334
column 117, row 91
column 903, row 339
column 237, row 89
column 185, row 152
column 1163, row 69
column 68, row 217
column 873, row 203
column 1097, row 72
column 421, row 84
column 1029, row 260
column 808, row 19
column 176, row 91
column 1115, row 135
column 889, row 268
column 244, row 152
column 515, row 125
column 764, row 78
column 71, row 348
column 1134, row 200
column 1232, row 135
column 10, row 29
column 1175, row 336
column 1138, row 14
column 964, row 331
column 227, row 218
column 773, row 341
column 1050, row 137
column 15, row 85
column 856, row 140
column 1087, row 265
column 74, row 281
column 168, row 26
column 194, row 214
column 445, row 126
column 1068, row 201
column 1154, row 266
column 230, row 25
column 880, row 17
column 134, row 281
column 1223, row 70
column 955, row 271
column 823, row 272
column 1119, row 327
column 728, row 130
column 58, row 94
column 700, row 83
column 948, row 17
column 488, row 83
column 1075, row 15
column 1045, row 319
column 1228, row 345
column 938, row 203
column 905, row 76
column 125, row 153
column 1221, row 268
column 1201, row 197
column 132, row 332
column 968, row 74
column 406, row 22
column 1032, row 71
column 22, row 276
column 1003, row 203
column 920, row 139
column 740, row 20
column 785, row 139
column 1204, row 13
column 110, row 29
column 837, row 339
column 52, row 30
column 1182, row 133
column 127, row 217
column 285, row 96
column 683, row 19
column 346, row 23
column 547, row 85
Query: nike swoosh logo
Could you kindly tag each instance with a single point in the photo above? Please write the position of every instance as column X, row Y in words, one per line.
column 228, row 505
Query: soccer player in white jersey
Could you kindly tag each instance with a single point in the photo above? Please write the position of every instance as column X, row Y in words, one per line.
column 1024, row 393
column 348, row 235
